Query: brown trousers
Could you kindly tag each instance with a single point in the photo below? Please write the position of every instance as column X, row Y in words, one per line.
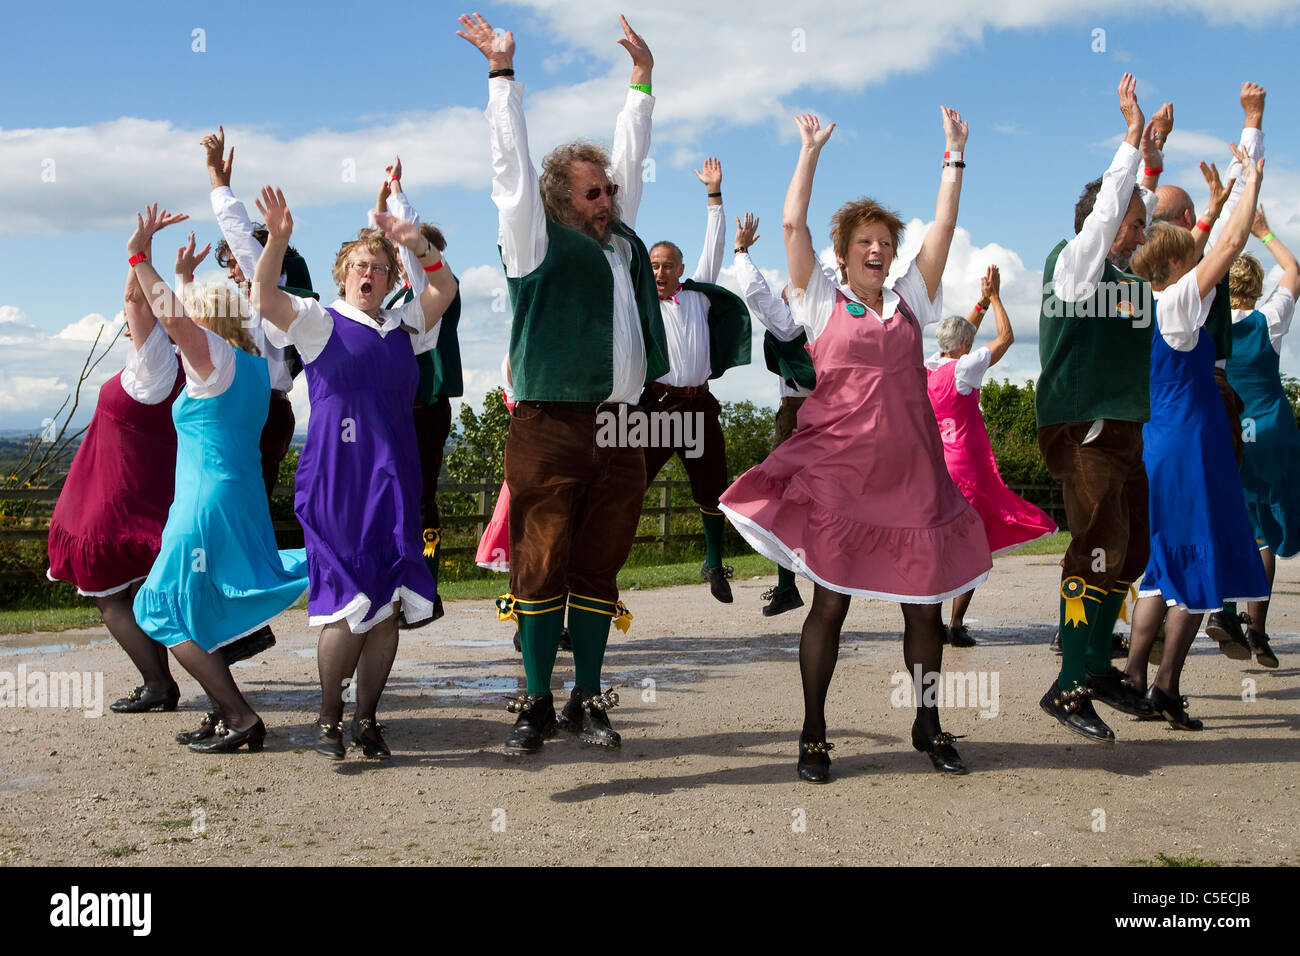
column 574, row 506
column 708, row 472
column 432, row 426
column 277, row 436
column 1104, row 484
column 787, row 417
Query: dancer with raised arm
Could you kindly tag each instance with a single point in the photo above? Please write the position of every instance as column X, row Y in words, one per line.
column 858, row 499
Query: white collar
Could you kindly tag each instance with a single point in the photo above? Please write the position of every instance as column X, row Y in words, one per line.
column 938, row 360
column 888, row 301
column 391, row 321
column 1239, row 314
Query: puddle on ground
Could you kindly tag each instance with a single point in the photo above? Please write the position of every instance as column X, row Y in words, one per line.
column 37, row 644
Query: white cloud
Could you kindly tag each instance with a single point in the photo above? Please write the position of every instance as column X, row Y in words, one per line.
column 90, row 327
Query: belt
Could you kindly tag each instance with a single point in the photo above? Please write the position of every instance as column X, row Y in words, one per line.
column 591, row 407
column 659, row 388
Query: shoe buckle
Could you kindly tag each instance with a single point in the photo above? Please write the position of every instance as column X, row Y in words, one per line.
column 768, row 594
column 222, row 730
column 815, row 746
column 521, row 704
column 605, row 701
column 134, row 694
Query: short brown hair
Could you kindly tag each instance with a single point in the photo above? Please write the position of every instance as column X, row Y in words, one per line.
column 861, row 212
column 434, row 235
column 217, row 306
column 557, row 167
column 1164, row 242
column 374, row 241
column 1245, row 281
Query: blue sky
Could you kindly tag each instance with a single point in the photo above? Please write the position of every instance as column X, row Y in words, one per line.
column 113, row 103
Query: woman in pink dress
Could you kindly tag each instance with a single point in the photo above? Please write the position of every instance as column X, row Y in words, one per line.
column 955, row 376
column 858, row 499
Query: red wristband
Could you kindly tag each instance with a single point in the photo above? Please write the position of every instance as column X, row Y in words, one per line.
column 137, row 258
column 435, row 267
column 1153, row 172
column 1202, row 224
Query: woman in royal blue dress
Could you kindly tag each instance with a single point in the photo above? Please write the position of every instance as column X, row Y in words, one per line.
column 218, row 575
column 1202, row 548
column 357, row 491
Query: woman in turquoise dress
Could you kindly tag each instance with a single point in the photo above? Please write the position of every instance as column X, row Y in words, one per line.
column 1272, row 440
column 218, row 575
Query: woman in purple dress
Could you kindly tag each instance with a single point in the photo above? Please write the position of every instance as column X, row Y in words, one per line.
column 357, row 491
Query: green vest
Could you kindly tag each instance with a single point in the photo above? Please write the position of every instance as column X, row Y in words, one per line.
column 729, row 328
column 561, row 339
column 1218, row 324
column 440, row 373
column 1095, row 353
column 790, row 360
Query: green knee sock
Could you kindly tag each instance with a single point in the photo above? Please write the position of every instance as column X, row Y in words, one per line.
column 784, row 578
column 1230, row 609
column 1097, row 655
column 540, row 623
column 1076, row 636
column 713, row 524
column 589, row 621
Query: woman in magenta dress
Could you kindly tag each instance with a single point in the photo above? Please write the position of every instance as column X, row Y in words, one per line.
column 108, row 523
column 955, row 376
column 859, row 499
column 357, row 492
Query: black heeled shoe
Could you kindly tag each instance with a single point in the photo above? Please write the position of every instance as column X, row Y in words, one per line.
column 535, row 724
column 1114, row 688
column 225, row 741
column 814, row 761
column 329, row 740
column 585, row 715
column 1172, row 709
column 939, row 748
column 369, row 736
column 1263, row 653
column 143, row 699
column 958, row 636
column 207, row 727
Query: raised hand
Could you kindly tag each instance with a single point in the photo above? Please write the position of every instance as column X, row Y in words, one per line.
column 395, row 170
column 219, row 165
column 1259, row 228
column 1163, row 121
column 1252, row 171
column 1252, row 102
column 275, row 213
column 747, row 231
column 642, row 60
column 955, row 129
column 990, row 284
column 810, row 131
column 1128, row 105
column 187, row 260
column 499, row 50
column 148, row 224
column 711, row 175
column 1218, row 191
column 402, row 232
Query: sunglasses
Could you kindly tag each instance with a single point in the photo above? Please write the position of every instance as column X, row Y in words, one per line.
column 592, row 194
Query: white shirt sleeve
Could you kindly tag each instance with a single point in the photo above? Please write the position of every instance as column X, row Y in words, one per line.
column 812, row 307
column 1079, row 266
column 1180, row 312
column 520, row 215
column 971, row 369
column 910, row 286
column 222, row 355
column 237, row 229
column 400, row 206
column 769, row 309
column 1278, row 309
column 150, row 369
column 711, row 255
column 309, row 332
column 631, row 145
column 1252, row 143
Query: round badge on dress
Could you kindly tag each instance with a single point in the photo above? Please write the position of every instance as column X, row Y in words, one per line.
column 1072, row 587
column 854, row 309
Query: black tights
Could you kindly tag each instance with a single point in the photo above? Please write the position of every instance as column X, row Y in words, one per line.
column 819, row 649
column 371, row 655
column 148, row 656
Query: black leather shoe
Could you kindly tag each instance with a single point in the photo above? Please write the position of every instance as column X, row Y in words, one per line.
column 225, row 741
column 1075, row 712
column 1055, row 646
column 814, row 761
column 780, row 600
column 207, row 727
column 585, row 715
column 565, row 643
column 536, row 723
column 1226, row 629
column 1115, row 689
column 369, row 736
column 329, row 740
column 1172, row 709
column 143, row 699
column 1118, row 647
column 958, row 636
column 1263, row 653
column 939, row 746
column 250, row 644
column 717, row 578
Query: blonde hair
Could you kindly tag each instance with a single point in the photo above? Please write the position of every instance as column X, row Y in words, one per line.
column 373, row 241
column 1245, row 281
column 218, row 307
column 1164, row 242
column 861, row 212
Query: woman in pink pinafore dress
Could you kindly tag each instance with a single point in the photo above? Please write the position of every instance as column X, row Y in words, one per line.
column 858, row 499
column 955, row 375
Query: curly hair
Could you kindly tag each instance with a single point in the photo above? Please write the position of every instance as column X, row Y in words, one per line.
column 373, row 241
column 219, row 307
column 1245, row 281
column 861, row 212
column 953, row 333
column 554, row 181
